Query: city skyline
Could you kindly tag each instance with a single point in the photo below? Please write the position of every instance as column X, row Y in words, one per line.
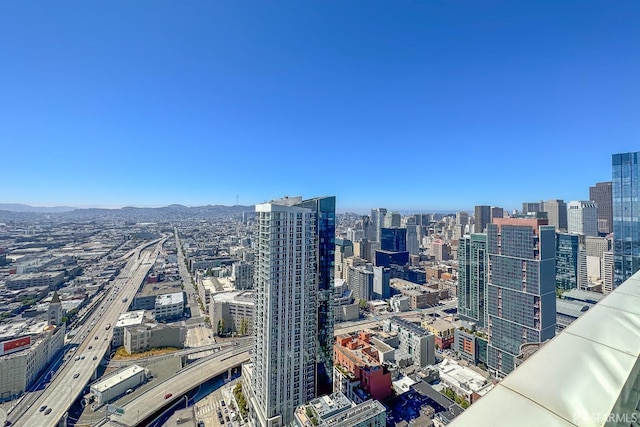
column 434, row 106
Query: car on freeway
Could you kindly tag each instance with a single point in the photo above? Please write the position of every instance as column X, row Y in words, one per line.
column 82, row 357
column 48, row 411
column 168, row 395
column 43, row 407
column 76, row 375
column 90, row 347
column 96, row 337
column 95, row 357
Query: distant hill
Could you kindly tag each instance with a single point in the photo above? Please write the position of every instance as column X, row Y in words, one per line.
column 175, row 212
column 17, row 207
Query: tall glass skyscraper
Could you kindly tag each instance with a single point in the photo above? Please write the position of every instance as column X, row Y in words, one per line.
column 521, row 292
column 325, row 226
column 567, row 251
column 472, row 278
column 626, row 215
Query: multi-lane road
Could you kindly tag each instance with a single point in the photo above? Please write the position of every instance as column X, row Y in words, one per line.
column 93, row 339
column 176, row 386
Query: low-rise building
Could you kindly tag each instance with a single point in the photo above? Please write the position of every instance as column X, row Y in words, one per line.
column 117, row 383
column 442, row 330
column 358, row 372
column 169, row 306
column 147, row 336
column 419, row 296
column 25, row 351
column 464, row 381
column 336, row 410
column 130, row 318
column 233, row 312
column 413, row 340
column 51, row 279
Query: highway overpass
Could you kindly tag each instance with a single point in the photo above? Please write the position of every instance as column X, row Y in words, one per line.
column 143, row 408
column 94, row 340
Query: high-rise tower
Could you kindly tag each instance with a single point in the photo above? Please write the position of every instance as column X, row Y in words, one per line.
column 582, row 218
column 626, row 215
column 601, row 194
column 521, row 292
column 472, row 278
column 324, row 209
column 283, row 373
column 556, row 210
column 482, row 217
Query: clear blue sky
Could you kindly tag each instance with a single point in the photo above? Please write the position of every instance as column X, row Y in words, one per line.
column 423, row 105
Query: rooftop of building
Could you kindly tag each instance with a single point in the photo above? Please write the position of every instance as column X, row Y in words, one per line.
column 130, row 318
column 354, row 415
column 438, row 324
column 116, row 378
column 463, row 377
column 582, row 295
column 572, row 308
column 236, row 297
column 328, row 405
column 418, row 330
column 22, row 327
column 159, row 288
column 170, row 299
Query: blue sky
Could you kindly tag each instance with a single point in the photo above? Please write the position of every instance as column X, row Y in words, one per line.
column 410, row 105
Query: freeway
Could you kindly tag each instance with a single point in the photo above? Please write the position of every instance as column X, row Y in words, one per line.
column 166, row 392
column 93, row 341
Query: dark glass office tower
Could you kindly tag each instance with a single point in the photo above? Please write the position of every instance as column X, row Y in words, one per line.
column 626, row 216
column 567, row 248
column 325, row 209
column 393, row 239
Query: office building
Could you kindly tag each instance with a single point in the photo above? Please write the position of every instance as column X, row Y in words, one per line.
column 532, row 207
column 568, row 264
column 473, row 268
column 392, row 220
column 602, row 195
column 344, row 248
column 413, row 243
column 377, row 221
column 626, row 215
column 582, row 218
column 608, row 273
column 496, row 213
column 556, row 210
column 521, row 288
column 153, row 335
column 482, row 217
column 387, row 258
column 283, row 374
column 393, row 239
column 462, row 218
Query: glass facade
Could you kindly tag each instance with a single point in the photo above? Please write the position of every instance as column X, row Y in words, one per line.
column 626, row 216
column 325, row 210
column 393, row 239
column 472, row 278
column 567, row 246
